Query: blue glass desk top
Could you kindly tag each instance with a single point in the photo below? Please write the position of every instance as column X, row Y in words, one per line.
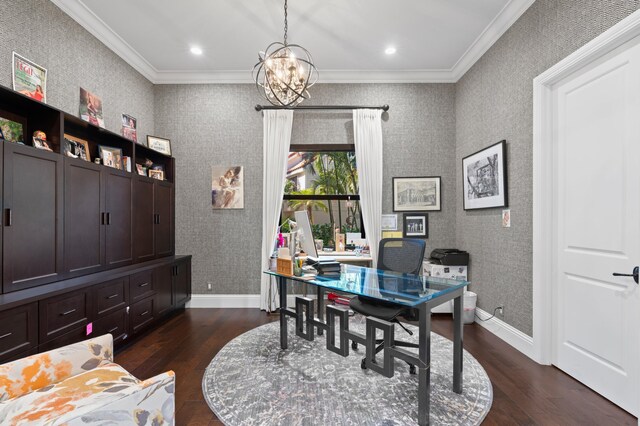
column 403, row 289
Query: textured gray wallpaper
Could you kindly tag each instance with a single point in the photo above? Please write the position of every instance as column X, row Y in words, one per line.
column 494, row 101
column 217, row 124
column 39, row 31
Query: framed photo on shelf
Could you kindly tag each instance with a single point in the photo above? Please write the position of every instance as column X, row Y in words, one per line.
column 142, row 170
column 11, row 131
column 129, row 128
column 484, row 178
column 156, row 174
column 111, row 157
column 91, row 108
column 416, row 194
column 160, row 145
column 389, row 222
column 415, row 225
column 29, row 78
column 76, row 148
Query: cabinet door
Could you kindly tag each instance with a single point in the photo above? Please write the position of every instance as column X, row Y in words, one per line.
column 143, row 219
column 18, row 330
column 119, row 189
column 182, row 283
column 163, row 279
column 163, row 204
column 33, row 241
column 83, row 217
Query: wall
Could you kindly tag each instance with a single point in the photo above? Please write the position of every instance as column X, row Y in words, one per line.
column 42, row 33
column 217, row 124
column 494, row 101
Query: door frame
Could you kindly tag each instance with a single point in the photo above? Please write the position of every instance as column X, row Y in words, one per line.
column 544, row 261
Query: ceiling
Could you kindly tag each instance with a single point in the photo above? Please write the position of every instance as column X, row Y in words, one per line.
column 436, row 40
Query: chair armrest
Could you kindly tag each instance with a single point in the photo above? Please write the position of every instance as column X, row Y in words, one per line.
column 150, row 402
column 38, row 371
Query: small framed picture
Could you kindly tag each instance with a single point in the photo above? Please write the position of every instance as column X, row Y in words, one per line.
column 416, row 225
column 76, row 148
column 11, row 131
column 389, row 222
column 416, row 194
column 484, row 178
column 142, row 170
column 156, row 174
column 161, row 145
column 111, row 157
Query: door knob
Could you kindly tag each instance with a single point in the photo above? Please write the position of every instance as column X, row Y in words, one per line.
column 636, row 271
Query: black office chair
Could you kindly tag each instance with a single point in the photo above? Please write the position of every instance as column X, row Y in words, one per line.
column 403, row 255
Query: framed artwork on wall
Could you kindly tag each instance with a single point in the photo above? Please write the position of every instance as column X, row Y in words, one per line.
column 415, row 225
column 160, row 145
column 389, row 222
column 484, row 178
column 227, row 187
column 416, row 194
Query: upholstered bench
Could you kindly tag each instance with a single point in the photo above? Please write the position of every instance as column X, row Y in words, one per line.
column 80, row 384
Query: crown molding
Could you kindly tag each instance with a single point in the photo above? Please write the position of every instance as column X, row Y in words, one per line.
column 80, row 13
column 508, row 16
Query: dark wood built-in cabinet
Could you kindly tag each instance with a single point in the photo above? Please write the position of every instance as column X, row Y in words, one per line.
column 86, row 249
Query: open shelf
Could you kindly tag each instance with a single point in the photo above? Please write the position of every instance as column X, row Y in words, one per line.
column 143, row 153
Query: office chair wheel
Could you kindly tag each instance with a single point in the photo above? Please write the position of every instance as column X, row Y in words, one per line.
column 363, row 364
column 412, row 369
column 354, row 345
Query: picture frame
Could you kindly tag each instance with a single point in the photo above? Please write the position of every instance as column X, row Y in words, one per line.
column 156, row 174
column 130, row 128
column 484, row 178
column 158, row 144
column 11, row 130
column 76, row 148
column 227, row 187
column 389, row 222
column 91, row 108
column 415, row 225
column 29, row 78
column 417, row 193
column 110, row 156
column 142, row 170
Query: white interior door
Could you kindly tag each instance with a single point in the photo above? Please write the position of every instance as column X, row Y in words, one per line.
column 596, row 315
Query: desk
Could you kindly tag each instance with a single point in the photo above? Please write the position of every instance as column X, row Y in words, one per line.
column 421, row 293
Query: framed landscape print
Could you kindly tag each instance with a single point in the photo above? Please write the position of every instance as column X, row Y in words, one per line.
column 415, row 225
column 484, row 177
column 412, row 194
column 161, row 145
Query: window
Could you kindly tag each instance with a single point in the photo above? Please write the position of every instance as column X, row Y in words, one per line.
column 324, row 182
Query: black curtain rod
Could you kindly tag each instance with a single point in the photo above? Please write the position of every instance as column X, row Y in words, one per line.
column 322, row 107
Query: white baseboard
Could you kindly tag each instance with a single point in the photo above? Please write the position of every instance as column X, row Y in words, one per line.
column 232, row 300
column 509, row 334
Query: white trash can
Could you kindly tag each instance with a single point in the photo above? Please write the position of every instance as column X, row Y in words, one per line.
column 469, row 307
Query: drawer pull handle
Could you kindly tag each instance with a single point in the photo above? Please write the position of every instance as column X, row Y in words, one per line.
column 112, row 330
column 143, row 285
column 5, row 335
column 144, row 313
column 64, row 314
column 112, row 296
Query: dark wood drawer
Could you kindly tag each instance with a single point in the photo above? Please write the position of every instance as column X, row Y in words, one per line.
column 141, row 285
column 74, row 336
column 60, row 314
column 115, row 324
column 110, row 296
column 18, row 331
column 141, row 315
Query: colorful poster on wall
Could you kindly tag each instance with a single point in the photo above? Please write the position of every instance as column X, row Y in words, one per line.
column 91, row 108
column 129, row 128
column 29, row 78
column 227, row 187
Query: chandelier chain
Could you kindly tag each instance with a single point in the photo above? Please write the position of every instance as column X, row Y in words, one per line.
column 286, row 24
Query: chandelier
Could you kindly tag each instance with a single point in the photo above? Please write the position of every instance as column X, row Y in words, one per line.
column 285, row 71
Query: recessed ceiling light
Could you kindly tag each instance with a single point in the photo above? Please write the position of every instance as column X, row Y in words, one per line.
column 196, row 50
column 390, row 50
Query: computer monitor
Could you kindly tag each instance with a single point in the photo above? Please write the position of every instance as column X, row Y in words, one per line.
column 305, row 234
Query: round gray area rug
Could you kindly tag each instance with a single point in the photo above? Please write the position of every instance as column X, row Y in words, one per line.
column 251, row 381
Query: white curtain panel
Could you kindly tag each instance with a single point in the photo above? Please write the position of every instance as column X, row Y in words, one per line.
column 277, row 126
column 367, row 133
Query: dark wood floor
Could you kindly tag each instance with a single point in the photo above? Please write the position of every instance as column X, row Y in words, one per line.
column 525, row 393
